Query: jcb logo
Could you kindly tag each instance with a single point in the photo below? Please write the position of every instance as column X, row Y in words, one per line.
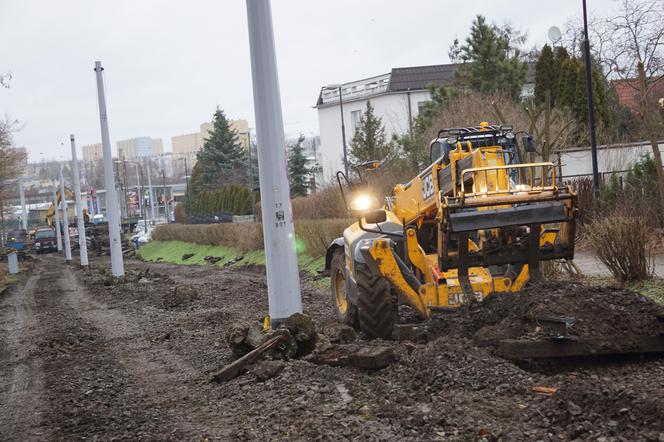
column 427, row 186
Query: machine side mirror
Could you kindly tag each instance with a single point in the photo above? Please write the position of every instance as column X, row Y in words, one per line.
column 369, row 165
column 376, row 216
column 529, row 144
column 435, row 150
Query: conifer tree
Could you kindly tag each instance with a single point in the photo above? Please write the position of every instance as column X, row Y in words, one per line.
column 369, row 141
column 221, row 160
column 545, row 75
column 298, row 171
column 491, row 62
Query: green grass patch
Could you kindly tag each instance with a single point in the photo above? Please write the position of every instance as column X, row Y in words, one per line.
column 173, row 251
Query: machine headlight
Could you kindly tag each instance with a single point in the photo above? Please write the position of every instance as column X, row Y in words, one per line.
column 363, row 202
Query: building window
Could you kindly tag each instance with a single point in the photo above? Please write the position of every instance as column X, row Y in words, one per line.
column 420, row 106
column 355, row 119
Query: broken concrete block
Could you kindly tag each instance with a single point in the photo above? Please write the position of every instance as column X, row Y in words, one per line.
column 265, row 370
column 340, row 333
column 372, row 358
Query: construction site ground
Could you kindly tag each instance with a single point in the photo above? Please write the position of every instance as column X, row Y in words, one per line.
column 85, row 358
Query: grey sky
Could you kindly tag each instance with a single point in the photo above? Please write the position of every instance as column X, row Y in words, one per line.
column 168, row 64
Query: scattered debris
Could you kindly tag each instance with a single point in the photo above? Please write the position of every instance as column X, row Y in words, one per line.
column 213, row 259
column 233, row 369
column 548, row 391
column 234, row 261
column 339, row 333
column 181, row 294
column 186, row 256
column 265, row 370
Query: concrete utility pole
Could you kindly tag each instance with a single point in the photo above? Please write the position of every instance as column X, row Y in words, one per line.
column 58, row 233
column 65, row 217
column 112, row 209
column 80, row 221
column 150, row 192
column 283, row 281
column 24, row 212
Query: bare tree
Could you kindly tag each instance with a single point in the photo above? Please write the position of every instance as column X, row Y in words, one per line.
column 636, row 55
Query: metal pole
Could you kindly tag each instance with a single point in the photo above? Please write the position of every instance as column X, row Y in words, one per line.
column 58, row 233
column 24, row 212
column 591, row 105
column 343, row 132
column 163, row 192
column 283, row 281
column 151, row 193
column 139, row 199
column 65, row 217
column 80, row 222
column 112, row 209
column 186, row 177
column 126, row 193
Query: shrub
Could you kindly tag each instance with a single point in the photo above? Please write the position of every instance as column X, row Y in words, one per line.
column 312, row 236
column 233, row 199
column 624, row 244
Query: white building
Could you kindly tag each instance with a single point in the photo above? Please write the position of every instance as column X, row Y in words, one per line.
column 140, row 147
column 397, row 98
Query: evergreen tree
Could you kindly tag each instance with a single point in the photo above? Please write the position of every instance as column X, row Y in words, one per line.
column 298, row 171
column 221, row 161
column 545, row 74
column 491, row 63
column 369, row 141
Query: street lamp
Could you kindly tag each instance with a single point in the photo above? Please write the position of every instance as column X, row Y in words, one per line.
column 591, row 106
column 186, row 177
column 343, row 127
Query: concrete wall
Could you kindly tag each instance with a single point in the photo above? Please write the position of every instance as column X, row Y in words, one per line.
column 578, row 161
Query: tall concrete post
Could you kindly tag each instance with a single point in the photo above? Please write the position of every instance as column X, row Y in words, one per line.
column 283, row 281
column 24, row 212
column 65, row 217
column 56, row 215
column 112, row 209
column 150, row 192
column 80, row 221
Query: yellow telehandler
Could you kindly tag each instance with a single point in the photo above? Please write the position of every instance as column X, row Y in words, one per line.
column 478, row 220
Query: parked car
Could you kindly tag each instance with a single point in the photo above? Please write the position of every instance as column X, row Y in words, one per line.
column 45, row 240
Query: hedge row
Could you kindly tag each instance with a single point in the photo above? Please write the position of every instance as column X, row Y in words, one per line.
column 228, row 199
column 312, row 236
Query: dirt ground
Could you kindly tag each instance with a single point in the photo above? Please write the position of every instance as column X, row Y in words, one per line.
column 84, row 359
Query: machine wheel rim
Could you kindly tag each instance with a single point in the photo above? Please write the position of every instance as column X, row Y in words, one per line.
column 340, row 291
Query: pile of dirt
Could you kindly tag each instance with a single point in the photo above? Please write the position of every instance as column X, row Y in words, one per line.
column 596, row 312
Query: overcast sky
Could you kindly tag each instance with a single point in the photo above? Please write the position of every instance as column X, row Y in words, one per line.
column 169, row 64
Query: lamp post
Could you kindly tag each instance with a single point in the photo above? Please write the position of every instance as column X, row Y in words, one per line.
column 58, row 232
column 343, row 127
column 80, row 222
column 283, row 281
column 186, row 177
column 591, row 105
column 65, row 217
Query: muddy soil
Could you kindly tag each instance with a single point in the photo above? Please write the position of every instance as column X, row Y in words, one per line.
column 84, row 357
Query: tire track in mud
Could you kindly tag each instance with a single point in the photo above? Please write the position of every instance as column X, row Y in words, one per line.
column 21, row 371
column 159, row 384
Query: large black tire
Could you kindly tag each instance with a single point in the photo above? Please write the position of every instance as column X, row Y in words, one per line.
column 348, row 315
column 376, row 307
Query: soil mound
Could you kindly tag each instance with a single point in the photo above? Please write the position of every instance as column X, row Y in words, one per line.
column 596, row 312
